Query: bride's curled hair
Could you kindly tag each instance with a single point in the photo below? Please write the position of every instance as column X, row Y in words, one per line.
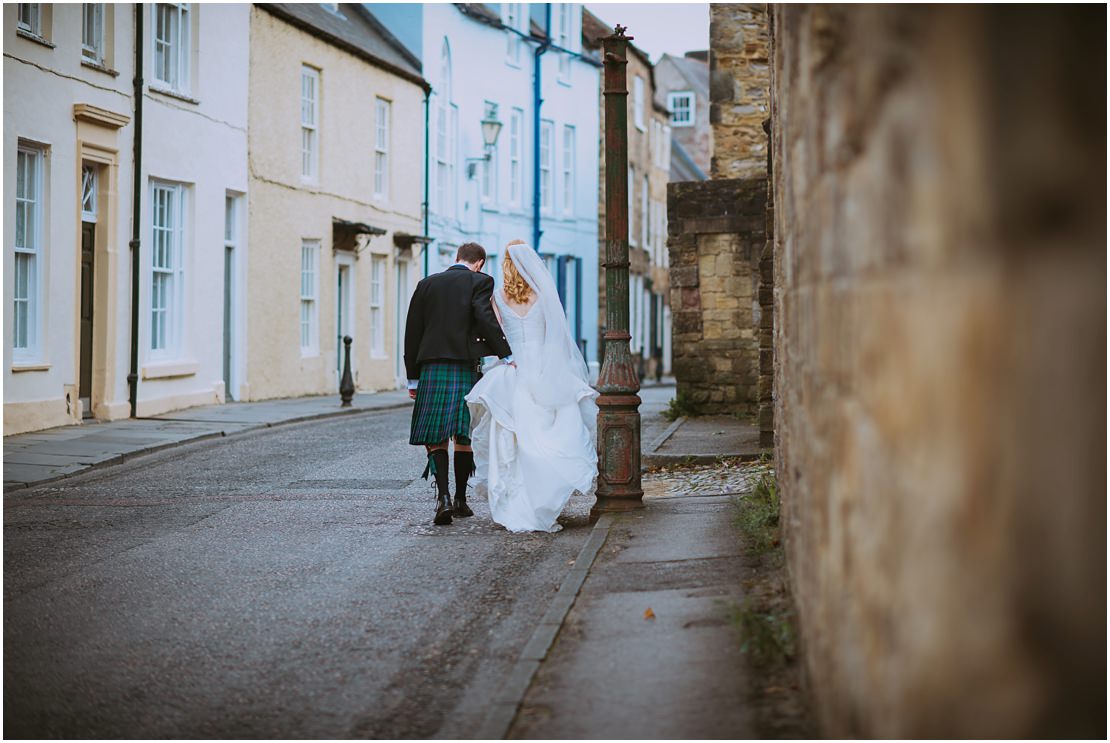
column 516, row 288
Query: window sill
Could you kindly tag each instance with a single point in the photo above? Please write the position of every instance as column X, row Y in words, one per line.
column 29, row 367
column 564, row 83
column 170, row 93
column 100, row 66
column 35, row 38
column 170, row 369
column 309, row 354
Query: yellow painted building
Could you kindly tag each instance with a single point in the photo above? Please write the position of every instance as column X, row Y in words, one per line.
column 336, row 152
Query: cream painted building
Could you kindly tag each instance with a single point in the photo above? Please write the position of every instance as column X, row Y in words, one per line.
column 69, row 125
column 336, row 160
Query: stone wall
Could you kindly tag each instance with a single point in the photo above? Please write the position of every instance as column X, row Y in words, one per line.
column 739, row 81
column 940, row 351
column 716, row 235
column 766, row 299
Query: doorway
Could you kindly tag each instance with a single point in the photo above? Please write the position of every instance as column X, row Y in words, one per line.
column 88, row 253
column 401, row 282
column 90, row 184
column 342, row 292
column 231, row 241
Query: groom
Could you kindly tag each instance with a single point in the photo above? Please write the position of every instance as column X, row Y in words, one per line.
column 451, row 326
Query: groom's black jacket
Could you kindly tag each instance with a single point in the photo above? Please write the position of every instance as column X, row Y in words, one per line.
column 451, row 319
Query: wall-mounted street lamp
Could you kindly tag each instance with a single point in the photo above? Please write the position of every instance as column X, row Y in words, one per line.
column 491, row 127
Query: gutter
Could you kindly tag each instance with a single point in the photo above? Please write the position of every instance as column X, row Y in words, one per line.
column 136, row 212
column 427, row 157
column 537, row 102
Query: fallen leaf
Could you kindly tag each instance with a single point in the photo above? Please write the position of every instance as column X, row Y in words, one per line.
column 649, row 614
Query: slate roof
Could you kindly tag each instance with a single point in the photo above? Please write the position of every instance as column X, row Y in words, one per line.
column 693, row 70
column 354, row 29
column 683, row 167
column 484, row 13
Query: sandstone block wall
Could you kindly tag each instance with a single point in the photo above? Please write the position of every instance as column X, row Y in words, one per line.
column 739, row 82
column 940, row 351
column 716, row 235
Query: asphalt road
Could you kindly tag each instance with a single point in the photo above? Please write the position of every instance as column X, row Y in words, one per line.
column 286, row 583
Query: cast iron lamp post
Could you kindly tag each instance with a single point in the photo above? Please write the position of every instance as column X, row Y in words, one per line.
column 618, row 420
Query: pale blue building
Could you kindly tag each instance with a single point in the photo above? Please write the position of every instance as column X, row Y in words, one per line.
column 520, row 71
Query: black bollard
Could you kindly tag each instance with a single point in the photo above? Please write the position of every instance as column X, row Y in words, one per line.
column 347, row 383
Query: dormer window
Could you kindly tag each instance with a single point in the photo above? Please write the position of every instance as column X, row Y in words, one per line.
column 681, row 106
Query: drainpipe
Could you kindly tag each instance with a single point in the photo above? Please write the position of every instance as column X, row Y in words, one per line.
column 537, row 101
column 136, row 212
column 427, row 119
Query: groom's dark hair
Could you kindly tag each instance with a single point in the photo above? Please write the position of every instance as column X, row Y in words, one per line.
column 470, row 253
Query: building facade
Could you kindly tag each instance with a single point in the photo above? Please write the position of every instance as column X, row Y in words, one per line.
column 336, row 139
column 649, row 157
column 69, row 129
column 721, row 269
column 524, row 67
column 682, row 87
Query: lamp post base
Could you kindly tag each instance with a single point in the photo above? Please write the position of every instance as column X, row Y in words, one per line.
column 618, row 443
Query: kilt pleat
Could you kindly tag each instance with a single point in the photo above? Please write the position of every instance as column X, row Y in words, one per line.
column 440, row 411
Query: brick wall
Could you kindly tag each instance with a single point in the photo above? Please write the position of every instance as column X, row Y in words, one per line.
column 940, row 351
column 739, row 82
column 716, row 235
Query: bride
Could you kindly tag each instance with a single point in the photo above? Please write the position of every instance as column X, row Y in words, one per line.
column 534, row 425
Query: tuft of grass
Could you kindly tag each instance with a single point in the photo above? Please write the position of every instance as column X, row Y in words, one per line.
column 758, row 514
column 681, row 405
column 767, row 636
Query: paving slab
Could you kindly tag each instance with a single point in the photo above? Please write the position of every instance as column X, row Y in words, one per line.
column 37, row 458
column 704, row 440
column 31, row 473
column 692, row 535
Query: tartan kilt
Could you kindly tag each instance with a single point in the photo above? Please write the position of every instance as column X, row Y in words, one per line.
column 440, row 411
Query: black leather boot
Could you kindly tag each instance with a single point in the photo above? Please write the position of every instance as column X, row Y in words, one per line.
column 464, row 468
column 437, row 463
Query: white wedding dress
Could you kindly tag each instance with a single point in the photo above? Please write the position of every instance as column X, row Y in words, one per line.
column 534, row 427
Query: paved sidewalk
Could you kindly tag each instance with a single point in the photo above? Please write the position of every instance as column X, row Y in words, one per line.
column 41, row 456
column 703, row 440
column 648, row 649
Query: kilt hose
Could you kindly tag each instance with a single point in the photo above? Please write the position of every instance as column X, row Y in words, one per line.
column 440, row 411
